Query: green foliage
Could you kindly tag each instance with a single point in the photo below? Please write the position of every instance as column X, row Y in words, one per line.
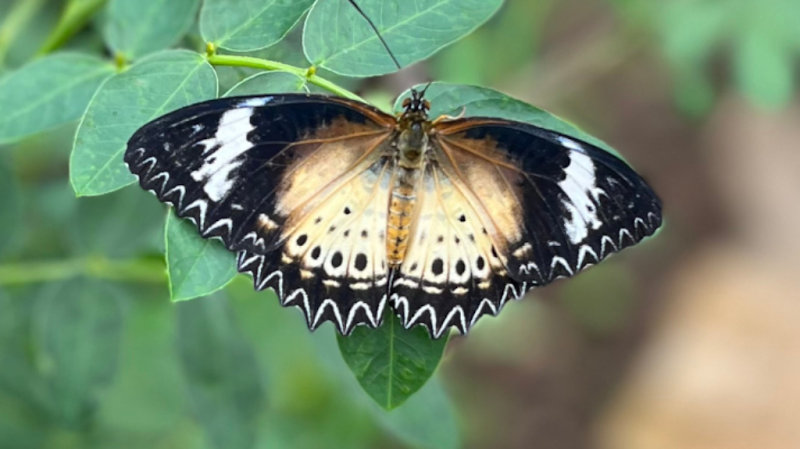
column 49, row 92
column 135, row 28
column 248, row 25
column 269, row 83
column 391, row 363
column 11, row 205
column 337, row 38
column 762, row 38
column 196, row 267
column 152, row 87
column 225, row 391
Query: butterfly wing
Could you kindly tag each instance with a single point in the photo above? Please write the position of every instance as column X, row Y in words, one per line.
column 540, row 205
column 452, row 272
column 265, row 174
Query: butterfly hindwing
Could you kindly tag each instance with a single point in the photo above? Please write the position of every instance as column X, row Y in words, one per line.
column 332, row 264
column 452, row 273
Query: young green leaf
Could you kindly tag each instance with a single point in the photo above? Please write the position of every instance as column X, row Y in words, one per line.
column 269, row 83
column 248, row 25
column 196, row 266
column 391, row 363
column 156, row 85
column 452, row 99
column 221, row 371
column 48, row 92
column 119, row 225
column 138, row 27
column 339, row 39
column 427, row 420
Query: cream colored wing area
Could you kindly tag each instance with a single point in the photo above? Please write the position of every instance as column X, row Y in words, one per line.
column 336, row 250
column 452, row 272
column 491, row 188
column 322, row 163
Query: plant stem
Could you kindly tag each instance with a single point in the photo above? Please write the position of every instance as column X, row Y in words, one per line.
column 17, row 19
column 75, row 16
column 96, row 267
column 264, row 64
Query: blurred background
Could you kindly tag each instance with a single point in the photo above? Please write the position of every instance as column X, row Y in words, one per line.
column 690, row 340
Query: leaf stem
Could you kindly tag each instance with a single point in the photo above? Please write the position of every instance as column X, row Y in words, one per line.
column 17, row 19
column 264, row 64
column 97, row 267
column 75, row 16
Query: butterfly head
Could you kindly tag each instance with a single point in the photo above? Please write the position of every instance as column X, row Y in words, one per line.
column 417, row 105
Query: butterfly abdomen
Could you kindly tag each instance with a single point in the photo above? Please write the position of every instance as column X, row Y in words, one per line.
column 401, row 208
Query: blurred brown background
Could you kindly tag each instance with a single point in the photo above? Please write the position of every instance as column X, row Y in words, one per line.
column 691, row 339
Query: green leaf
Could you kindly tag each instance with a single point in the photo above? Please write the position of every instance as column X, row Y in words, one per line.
column 339, row 39
column 221, row 372
column 269, row 83
column 426, row 420
column 248, row 25
column 156, row 85
column 196, row 266
column 764, row 69
column 123, row 224
column 452, row 99
column 391, row 363
column 78, row 325
column 138, row 27
column 147, row 395
column 11, row 207
column 19, row 351
column 48, row 92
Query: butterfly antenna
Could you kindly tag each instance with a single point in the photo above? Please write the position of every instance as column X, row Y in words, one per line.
column 377, row 33
column 425, row 89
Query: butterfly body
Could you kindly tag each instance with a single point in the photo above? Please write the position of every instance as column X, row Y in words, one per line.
column 344, row 210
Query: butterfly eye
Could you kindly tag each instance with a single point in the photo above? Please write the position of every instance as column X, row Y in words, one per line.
column 406, row 102
column 426, row 104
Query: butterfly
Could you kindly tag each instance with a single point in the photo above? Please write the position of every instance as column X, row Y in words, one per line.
column 345, row 210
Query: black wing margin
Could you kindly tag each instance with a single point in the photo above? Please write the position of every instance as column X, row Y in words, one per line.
column 572, row 203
